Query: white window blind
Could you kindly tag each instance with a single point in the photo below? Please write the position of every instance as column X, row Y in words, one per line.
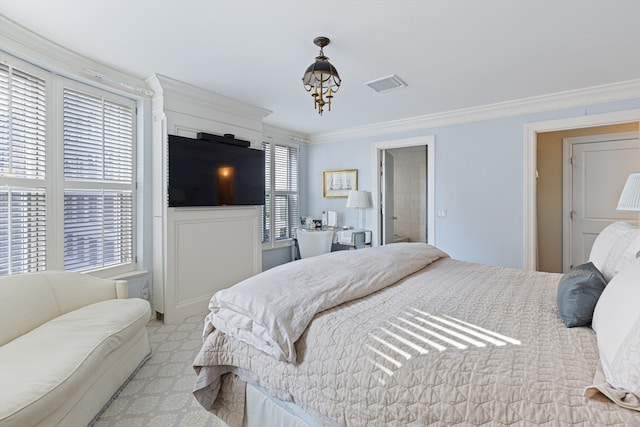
column 22, row 230
column 280, row 215
column 99, row 186
column 23, row 194
column 67, row 174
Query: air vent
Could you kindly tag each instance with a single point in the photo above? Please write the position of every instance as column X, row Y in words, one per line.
column 386, row 83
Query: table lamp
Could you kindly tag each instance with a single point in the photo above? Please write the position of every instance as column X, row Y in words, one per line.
column 359, row 199
column 630, row 197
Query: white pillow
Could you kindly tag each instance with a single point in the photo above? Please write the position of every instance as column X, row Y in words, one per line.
column 615, row 247
column 616, row 322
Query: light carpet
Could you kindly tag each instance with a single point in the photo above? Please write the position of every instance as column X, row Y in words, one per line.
column 159, row 394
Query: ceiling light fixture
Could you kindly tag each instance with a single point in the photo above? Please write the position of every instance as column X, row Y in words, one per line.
column 321, row 78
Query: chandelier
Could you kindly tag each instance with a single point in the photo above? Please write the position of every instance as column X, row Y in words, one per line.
column 321, row 78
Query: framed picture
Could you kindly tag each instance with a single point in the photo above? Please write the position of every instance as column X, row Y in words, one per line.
column 338, row 183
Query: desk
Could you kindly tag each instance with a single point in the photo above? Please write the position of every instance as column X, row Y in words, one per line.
column 342, row 240
column 351, row 239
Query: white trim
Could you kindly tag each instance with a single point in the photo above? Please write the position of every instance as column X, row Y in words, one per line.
column 556, row 101
column 567, row 201
column 24, row 44
column 531, row 131
column 198, row 98
column 274, row 132
column 430, row 142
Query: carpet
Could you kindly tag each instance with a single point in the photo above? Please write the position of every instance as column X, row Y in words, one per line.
column 159, row 394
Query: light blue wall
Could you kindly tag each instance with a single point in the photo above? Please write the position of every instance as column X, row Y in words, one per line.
column 479, row 181
column 336, row 156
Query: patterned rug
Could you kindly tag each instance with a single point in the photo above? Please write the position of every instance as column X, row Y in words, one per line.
column 159, row 394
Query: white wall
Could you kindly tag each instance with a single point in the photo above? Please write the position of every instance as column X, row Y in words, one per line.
column 479, row 169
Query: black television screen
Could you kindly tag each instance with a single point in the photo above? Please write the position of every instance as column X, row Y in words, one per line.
column 207, row 173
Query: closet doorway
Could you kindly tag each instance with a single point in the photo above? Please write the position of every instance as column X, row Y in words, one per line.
column 572, row 163
column 404, row 190
column 533, row 248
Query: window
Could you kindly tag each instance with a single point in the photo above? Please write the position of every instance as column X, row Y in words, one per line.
column 66, row 174
column 280, row 212
column 98, row 176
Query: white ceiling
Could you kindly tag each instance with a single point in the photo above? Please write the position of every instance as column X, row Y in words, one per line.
column 452, row 54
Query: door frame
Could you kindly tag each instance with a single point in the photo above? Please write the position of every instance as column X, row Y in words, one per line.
column 567, row 183
column 387, row 207
column 376, row 148
column 531, row 130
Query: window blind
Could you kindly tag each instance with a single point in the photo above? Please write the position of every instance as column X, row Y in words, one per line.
column 280, row 214
column 22, row 230
column 22, row 124
column 98, row 173
column 86, row 195
column 98, row 229
column 22, row 171
column 98, row 142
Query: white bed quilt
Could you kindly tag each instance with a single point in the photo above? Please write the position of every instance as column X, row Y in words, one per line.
column 271, row 310
column 453, row 344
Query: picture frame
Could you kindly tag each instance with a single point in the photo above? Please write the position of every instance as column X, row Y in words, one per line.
column 338, row 183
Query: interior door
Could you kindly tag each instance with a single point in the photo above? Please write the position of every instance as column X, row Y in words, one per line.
column 599, row 169
column 386, row 186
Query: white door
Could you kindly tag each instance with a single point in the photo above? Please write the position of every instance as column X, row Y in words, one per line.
column 386, row 187
column 599, row 167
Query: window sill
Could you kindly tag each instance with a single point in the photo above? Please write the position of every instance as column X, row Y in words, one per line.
column 129, row 275
column 277, row 245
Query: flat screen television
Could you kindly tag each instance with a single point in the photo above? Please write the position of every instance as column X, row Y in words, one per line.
column 208, row 173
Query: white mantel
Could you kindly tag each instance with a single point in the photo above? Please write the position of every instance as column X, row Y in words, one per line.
column 198, row 251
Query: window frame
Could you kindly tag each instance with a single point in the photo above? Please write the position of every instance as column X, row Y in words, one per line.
column 54, row 183
column 272, row 243
column 66, row 83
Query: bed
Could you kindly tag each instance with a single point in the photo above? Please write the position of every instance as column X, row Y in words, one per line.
column 404, row 335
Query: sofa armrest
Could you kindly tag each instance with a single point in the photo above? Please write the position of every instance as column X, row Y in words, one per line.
column 122, row 289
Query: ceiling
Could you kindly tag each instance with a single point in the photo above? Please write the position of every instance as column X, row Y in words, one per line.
column 452, row 54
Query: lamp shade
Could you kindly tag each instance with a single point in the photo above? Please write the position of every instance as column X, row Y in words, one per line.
column 358, row 199
column 630, row 197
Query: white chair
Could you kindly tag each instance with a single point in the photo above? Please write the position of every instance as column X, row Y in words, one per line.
column 314, row 242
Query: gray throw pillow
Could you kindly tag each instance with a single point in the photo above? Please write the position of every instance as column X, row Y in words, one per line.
column 578, row 293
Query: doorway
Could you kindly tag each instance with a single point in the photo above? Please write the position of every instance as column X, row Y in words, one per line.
column 379, row 149
column 595, row 170
column 404, row 194
column 543, row 210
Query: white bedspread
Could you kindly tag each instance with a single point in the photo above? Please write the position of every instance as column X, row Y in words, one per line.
column 454, row 344
column 271, row 310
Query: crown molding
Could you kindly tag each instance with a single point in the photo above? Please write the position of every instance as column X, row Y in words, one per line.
column 28, row 46
column 280, row 134
column 198, row 97
column 568, row 99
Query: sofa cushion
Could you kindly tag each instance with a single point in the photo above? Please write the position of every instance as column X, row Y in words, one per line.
column 15, row 297
column 40, row 369
column 48, row 294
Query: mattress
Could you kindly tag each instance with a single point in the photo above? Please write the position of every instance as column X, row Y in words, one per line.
column 453, row 343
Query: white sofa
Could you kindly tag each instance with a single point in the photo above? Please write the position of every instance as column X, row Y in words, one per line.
column 68, row 342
